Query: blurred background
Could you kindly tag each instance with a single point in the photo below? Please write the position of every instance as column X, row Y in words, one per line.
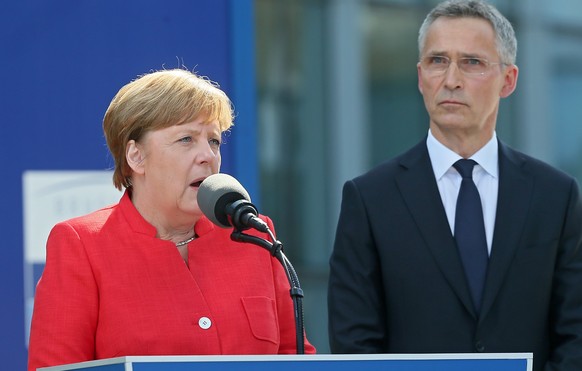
column 324, row 90
column 337, row 94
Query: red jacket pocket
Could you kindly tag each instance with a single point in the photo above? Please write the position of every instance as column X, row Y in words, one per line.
column 260, row 311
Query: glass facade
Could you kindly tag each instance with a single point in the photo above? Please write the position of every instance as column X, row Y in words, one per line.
column 337, row 94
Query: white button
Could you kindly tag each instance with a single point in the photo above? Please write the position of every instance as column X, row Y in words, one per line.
column 204, row 323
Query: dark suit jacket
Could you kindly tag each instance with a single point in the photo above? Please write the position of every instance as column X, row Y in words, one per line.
column 397, row 283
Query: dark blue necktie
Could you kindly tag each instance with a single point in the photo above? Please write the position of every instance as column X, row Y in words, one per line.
column 470, row 231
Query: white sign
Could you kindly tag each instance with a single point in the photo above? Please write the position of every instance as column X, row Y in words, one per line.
column 54, row 196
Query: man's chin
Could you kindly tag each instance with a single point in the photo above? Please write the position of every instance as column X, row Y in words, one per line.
column 450, row 123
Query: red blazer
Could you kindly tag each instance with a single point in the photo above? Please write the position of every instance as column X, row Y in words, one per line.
column 110, row 288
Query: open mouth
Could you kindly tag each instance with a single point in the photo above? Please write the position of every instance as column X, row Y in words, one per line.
column 196, row 183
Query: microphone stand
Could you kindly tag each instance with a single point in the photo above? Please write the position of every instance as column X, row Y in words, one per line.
column 276, row 250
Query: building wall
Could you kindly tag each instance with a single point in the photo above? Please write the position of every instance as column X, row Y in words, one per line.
column 337, row 91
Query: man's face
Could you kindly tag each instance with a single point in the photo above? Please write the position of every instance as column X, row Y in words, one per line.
column 460, row 104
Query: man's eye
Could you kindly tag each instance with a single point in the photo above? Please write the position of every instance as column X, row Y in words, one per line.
column 438, row 60
column 472, row 61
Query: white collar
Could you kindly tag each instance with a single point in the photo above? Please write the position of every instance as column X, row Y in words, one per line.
column 442, row 158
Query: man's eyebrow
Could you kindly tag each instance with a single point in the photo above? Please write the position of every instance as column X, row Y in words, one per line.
column 437, row 52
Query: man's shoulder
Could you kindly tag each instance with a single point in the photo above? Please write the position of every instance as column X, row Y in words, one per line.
column 534, row 166
column 392, row 167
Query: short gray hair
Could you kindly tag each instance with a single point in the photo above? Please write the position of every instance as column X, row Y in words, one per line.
column 504, row 33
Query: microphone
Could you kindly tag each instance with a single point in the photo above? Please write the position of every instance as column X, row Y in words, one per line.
column 226, row 203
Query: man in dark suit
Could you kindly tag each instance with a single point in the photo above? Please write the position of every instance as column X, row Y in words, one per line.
column 414, row 268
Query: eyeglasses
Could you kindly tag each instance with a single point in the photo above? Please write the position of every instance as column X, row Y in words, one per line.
column 439, row 64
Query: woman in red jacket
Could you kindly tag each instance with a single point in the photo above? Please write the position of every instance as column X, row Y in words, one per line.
column 151, row 275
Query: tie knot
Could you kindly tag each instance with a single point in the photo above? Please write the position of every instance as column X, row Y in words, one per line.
column 465, row 167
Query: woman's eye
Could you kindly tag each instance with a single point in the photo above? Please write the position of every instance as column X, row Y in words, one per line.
column 214, row 142
column 185, row 140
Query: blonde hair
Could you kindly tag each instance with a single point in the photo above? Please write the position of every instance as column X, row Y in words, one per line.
column 156, row 101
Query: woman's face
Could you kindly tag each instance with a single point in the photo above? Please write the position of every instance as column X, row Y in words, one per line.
column 171, row 164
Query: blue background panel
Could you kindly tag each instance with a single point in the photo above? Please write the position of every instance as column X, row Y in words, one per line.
column 62, row 63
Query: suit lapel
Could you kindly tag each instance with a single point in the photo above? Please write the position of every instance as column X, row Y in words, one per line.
column 515, row 190
column 421, row 195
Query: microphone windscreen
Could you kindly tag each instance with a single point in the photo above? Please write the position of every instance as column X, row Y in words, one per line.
column 215, row 193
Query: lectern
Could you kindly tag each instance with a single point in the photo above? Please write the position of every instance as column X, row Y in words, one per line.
column 329, row 362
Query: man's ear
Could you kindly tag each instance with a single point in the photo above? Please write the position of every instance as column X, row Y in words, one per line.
column 418, row 71
column 510, row 82
column 135, row 157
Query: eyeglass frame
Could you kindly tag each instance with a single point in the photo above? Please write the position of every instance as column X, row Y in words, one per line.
column 450, row 61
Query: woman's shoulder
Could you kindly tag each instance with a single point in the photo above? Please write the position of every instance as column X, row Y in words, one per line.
column 89, row 222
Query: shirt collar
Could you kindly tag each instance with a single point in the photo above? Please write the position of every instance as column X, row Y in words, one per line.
column 442, row 158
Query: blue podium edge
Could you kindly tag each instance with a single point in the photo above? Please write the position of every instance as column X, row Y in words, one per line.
column 129, row 360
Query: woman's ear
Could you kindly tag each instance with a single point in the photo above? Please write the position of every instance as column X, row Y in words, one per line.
column 135, row 156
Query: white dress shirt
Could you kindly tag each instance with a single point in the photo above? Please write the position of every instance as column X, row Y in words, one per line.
column 485, row 176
